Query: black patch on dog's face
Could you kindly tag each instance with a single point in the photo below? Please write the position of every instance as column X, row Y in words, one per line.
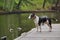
column 32, row 15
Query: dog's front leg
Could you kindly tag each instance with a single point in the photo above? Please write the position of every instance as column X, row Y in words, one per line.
column 36, row 26
column 40, row 27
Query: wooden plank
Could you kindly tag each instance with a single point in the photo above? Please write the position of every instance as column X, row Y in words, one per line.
column 36, row 11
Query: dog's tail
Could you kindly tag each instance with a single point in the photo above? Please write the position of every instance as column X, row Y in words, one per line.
column 54, row 19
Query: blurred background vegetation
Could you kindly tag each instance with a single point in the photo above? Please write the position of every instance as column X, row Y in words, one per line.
column 14, row 21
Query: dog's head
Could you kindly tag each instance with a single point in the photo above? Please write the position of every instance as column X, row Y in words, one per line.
column 32, row 16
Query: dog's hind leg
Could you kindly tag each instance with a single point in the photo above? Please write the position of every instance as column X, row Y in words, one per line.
column 49, row 24
column 50, row 27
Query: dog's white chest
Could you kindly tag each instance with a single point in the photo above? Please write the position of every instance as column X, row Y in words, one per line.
column 36, row 20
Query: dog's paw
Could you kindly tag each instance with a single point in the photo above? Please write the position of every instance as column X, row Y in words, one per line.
column 50, row 31
column 40, row 31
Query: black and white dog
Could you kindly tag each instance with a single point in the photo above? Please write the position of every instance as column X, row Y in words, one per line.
column 40, row 20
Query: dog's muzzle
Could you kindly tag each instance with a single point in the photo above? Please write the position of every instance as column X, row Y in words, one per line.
column 29, row 17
